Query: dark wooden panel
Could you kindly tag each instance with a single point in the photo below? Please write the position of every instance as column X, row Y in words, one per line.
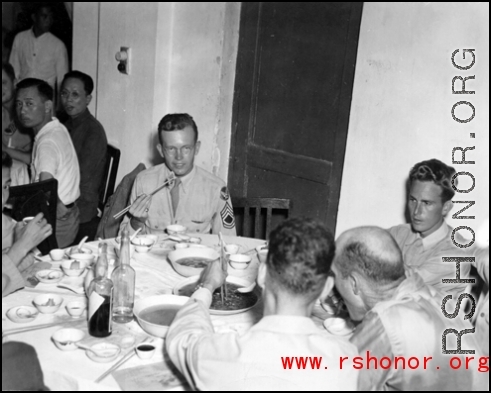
column 294, row 165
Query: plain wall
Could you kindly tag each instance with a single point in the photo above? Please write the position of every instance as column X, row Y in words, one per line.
column 401, row 108
column 183, row 58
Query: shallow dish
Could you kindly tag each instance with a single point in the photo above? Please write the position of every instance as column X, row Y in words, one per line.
column 48, row 276
column 239, row 261
column 206, row 255
column 66, row 266
column 113, row 352
column 83, row 250
column 159, row 300
column 240, row 282
column 176, row 229
column 66, row 338
column 89, row 259
column 45, row 306
column 22, row 314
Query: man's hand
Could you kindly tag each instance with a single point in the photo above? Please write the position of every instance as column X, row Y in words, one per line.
column 213, row 276
column 139, row 211
column 28, row 236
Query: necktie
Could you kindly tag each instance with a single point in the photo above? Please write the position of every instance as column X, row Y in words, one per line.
column 174, row 194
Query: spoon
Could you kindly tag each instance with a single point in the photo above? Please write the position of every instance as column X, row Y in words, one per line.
column 134, row 235
column 247, row 289
column 79, row 291
column 82, row 242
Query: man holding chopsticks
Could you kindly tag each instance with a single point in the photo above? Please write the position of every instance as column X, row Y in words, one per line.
column 197, row 199
column 293, row 277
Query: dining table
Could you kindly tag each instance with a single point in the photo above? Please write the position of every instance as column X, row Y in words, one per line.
column 73, row 370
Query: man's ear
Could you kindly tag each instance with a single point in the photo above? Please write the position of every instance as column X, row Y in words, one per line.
column 329, row 285
column 89, row 99
column 354, row 283
column 161, row 151
column 447, row 206
column 48, row 106
column 196, row 149
column 261, row 275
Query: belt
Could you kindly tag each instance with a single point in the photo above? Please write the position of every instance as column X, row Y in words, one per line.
column 70, row 205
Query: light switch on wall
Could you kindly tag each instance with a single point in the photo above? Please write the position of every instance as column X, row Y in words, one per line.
column 123, row 56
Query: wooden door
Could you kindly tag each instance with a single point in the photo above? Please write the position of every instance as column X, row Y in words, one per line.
column 294, row 81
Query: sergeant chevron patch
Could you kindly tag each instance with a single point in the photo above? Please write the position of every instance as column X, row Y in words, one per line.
column 228, row 218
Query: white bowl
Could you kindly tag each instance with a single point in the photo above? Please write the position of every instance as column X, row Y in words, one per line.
column 207, row 254
column 145, row 350
column 262, row 253
column 142, row 304
column 66, row 338
column 49, row 276
column 76, row 308
column 66, row 266
column 337, row 326
column 143, row 244
column 22, row 314
column 194, row 240
column 84, row 250
column 89, row 259
column 176, row 229
column 240, row 282
column 57, row 254
column 41, row 303
column 180, row 246
column 113, row 349
column 239, row 261
column 57, row 264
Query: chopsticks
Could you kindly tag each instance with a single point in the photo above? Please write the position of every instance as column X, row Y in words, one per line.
column 223, row 261
column 123, row 360
column 125, row 210
column 11, row 332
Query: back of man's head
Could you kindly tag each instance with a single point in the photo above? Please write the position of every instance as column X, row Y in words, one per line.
column 372, row 254
column 437, row 172
column 43, row 88
column 300, row 254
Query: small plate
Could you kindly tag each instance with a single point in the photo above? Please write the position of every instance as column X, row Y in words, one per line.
column 49, row 276
column 22, row 314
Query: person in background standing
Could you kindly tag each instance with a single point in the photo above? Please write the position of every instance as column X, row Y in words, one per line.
column 36, row 53
column 90, row 142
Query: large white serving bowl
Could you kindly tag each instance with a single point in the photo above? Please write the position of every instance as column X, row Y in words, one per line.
column 230, row 279
column 158, row 300
column 192, row 252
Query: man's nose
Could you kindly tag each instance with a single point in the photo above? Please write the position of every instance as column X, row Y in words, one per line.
column 179, row 154
column 417, row 209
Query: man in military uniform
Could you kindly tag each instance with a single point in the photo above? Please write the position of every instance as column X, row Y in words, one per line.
column 197, row 199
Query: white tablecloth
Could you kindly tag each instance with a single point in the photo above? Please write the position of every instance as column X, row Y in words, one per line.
column 154, row 276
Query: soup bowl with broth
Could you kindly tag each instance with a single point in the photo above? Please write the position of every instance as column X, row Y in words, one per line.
column 156, row 313
column 191, row 261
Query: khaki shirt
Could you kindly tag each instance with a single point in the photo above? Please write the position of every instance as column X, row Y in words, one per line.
column 204, row 202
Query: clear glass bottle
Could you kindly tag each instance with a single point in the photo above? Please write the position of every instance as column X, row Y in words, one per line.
column 100, row 293
column 123, row 277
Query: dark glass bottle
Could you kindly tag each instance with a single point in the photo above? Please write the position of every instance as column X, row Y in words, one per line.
column 123, row 278
column 100, row 295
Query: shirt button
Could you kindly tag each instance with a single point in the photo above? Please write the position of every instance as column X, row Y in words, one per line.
column 482, row 314
column 156, row 227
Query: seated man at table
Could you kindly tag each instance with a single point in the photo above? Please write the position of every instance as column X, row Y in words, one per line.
column 198, row 199
column 401, row 320
column 53, row 154
column 18, row 239
column 292, row 278
column 90, row 142
column 428, row 238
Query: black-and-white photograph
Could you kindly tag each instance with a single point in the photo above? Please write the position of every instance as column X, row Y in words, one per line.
column 271, row 196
